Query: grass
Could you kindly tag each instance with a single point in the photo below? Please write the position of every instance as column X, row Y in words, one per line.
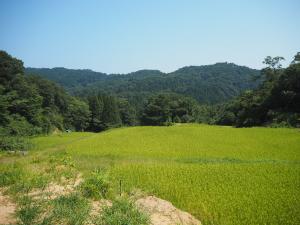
column 96, row 185
column 70, row 209
column 222, row 175
column 122, row 212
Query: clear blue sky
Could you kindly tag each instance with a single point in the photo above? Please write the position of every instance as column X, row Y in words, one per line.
column 118, row 36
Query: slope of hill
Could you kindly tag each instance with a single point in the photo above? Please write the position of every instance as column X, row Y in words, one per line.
column 68, row 78
column 207, row 84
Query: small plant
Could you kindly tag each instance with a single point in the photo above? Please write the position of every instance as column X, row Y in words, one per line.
column 40, row 181
column 36, row 160
column 61, row 165
column 69, row 210
column 29, row 211
column 122, row 211
column 96, row 186
column 10, row 174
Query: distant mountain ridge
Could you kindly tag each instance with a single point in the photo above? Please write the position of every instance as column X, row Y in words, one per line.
column 207, row 84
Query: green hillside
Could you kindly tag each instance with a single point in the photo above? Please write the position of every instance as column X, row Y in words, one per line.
column 207, row 84
column 222, row 175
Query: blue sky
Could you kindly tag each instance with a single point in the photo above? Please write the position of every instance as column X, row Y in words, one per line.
column 119, row 36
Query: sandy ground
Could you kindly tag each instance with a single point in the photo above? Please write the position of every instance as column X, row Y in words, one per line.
column 7, row 210
column 163, row 212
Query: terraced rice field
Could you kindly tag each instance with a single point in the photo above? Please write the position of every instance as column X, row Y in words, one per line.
column 221, row 175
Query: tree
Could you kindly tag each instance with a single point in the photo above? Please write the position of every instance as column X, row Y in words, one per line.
column 296, row 58
column 110, row 113
column 31, row 105
column 104, row 112
column 78, row 115
column 96, row 108
column 9, row 68
column 166, row 108
column 273, row 62
column 277, row 100
column 127, row 113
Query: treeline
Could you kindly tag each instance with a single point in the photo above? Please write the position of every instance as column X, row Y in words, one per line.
column 276, row 102
column 207, row 84
column 31, row 105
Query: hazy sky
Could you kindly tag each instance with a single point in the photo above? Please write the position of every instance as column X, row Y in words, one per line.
column 118, row 36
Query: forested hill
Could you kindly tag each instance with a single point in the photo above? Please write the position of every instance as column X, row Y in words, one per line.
column 207, row 84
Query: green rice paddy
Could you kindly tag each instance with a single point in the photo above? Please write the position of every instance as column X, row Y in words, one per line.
column 221, row 175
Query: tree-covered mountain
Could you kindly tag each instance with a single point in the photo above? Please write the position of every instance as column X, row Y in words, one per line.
column 32, row 105
column 207, row 84
column 275, row 102
column 68, row 78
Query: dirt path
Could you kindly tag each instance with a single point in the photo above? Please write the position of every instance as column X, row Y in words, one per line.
column 7, row 210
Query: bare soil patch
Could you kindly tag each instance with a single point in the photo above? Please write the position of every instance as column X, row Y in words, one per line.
column 162, row 212
column 7, row 210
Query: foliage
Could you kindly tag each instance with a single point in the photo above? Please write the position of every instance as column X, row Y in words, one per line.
column 77, row 116
column 14, row 143
column 128, row 113
column 96, row 186
column 104, row 112
column 276, row 101
column 122, row 211
column 10, row 174
column 29, row 211
column 166, row 108
column 31, row 105
column 71, row 209
column 207, row 84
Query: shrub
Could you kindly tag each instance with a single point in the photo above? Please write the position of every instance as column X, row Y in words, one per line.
column 19, row 126
column 96, row 186
column 177, row 119
column 168, row 122
column 122, row 211
column 14, row 144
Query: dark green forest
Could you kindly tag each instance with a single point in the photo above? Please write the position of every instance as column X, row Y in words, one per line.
column 34, row 101
column 207, row 84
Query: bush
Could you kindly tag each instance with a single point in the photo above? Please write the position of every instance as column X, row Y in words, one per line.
column 177, row 119
column 19, row 126
column 14, row 144
column 284, row 119
column 122, row 211
column 168, row 122
column 96, row 186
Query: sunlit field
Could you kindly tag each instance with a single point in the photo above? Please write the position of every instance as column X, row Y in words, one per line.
column 221, row 175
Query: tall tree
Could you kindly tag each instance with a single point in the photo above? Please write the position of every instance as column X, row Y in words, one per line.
column 96, row 108
column 110, row 113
